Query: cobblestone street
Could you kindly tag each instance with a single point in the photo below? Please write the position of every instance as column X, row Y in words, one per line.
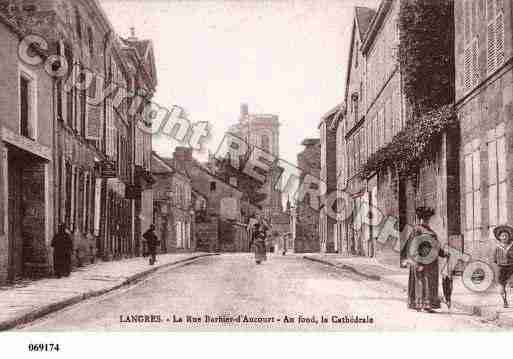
column 227, row 286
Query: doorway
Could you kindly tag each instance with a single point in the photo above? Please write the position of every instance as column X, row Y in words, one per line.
column 26, row 213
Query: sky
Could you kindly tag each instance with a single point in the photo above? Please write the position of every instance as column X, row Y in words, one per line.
column 283, row 57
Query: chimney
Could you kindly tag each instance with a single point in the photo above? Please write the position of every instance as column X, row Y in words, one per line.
column 244, row 111
column 182, row 157
column 132, row 34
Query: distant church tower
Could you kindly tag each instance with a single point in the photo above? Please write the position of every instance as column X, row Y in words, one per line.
column 263, row 131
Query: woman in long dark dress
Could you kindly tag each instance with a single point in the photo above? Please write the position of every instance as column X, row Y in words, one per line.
column 62, row 248
column 422, row 251
column 259, row 237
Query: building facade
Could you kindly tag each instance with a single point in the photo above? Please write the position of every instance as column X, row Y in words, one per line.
column 91, row 135
column 173, row 207
column 305, row 214
column 376, row 111
column 484, row 95
column 328, row 177
column 27, row 161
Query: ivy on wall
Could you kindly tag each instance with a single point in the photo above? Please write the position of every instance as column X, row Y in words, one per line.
column 426, row 59
column 411, row 146
column 426, row 53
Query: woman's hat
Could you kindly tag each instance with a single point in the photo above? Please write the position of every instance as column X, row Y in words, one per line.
column 424, row 212
column 503, row 228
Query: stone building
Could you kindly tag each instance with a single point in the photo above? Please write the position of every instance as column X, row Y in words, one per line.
column 305, row 214
column 348, row 131
column 484, row 95
column 173, row 207
column 94, row 148
column 375, row 112
column 372, row 116
column 27, row 161
column 262, row 131
column 328, row 177
column 140, row 59
column 226, row 212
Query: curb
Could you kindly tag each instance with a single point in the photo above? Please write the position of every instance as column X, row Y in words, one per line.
column 476, row 310
column 345, row 267
column 53, row 307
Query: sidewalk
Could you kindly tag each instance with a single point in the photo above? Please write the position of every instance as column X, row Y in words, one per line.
column 487, row 305
column 26, row 301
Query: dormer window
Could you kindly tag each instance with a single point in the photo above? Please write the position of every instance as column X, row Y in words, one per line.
column 356, row 55
column 354, row 105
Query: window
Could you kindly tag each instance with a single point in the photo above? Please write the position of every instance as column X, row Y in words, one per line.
column 497, row 177
column 90, row 38
column 471, row 52
column 25, row 106
column 83, row 112
column 68, row 194
column 387, row 121
column 78, row 24
column 356, row 55
column 472, row 190
column 179, row 238
column 494, row 35
column 85, row 218
column 367, row 140
column 213, row 186
column 265, row 143
column 68, row 54
column 381, row 128
column 354, row 106
column 58, row 91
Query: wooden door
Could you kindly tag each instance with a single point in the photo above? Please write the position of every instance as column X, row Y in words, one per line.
column 15, row 220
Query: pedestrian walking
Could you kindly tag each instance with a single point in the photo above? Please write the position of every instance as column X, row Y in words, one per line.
column 504, row 257
column 422, row 250
column 151, row 243
column 62, row 249
column 259, row 243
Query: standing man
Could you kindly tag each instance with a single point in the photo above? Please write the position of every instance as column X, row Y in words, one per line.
column 151, row 242
column 62, row 248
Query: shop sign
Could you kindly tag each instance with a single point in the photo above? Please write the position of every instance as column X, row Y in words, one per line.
column 108, row 169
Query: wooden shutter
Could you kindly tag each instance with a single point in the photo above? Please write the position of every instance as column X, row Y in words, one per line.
column 499, row 39
column 467, row 67
column 475, row 63
column 490, row 53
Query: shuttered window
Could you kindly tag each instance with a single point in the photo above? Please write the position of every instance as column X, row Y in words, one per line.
column 472, row 190
column 471, row 52
column 497, row 178
column 494, row 35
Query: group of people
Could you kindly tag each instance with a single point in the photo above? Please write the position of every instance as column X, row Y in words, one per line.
column 421, row 253
column 63, row 249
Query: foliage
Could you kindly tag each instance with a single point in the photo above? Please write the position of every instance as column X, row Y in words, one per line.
column 426, row 53
column 426, row 60
column 412, row 145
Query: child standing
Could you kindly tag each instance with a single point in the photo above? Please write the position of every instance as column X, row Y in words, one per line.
column 504, row 257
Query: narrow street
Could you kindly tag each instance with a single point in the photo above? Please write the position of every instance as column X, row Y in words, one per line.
column 230, row 285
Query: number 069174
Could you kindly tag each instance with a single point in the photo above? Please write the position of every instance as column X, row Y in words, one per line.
column 47, row 347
